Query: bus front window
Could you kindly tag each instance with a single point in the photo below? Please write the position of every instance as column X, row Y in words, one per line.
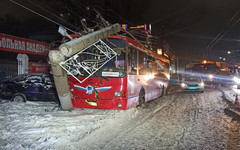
column 116, row 64
column 116, row 67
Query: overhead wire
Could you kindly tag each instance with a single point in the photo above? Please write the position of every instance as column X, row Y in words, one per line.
column 117, row 16
column 59, row 18
column 41, row 15
column 70, row 24
column 178, row 12
column 218, row 37
column 169, row 16
column 113, row 14
column 97, row 20
column 139, row 35
column 84, row 10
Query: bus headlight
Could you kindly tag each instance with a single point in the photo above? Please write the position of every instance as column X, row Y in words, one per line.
column 235, row 79
column 117, row 94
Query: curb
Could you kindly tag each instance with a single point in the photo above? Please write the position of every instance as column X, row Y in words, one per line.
column 232, row 110
column 232, row 114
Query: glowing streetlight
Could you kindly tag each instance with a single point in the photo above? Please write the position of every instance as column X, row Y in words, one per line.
column 229, row 52
column 160, row 51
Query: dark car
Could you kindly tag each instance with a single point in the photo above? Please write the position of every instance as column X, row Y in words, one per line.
column 32, row 87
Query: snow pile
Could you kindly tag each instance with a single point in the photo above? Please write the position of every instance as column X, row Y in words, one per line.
column 40, row 125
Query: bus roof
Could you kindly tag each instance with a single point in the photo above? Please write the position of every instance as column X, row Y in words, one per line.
column 141, row 47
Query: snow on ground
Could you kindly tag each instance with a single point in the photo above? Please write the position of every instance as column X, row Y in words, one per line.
column 230, row 93
column 175, row 121
column 41, row 125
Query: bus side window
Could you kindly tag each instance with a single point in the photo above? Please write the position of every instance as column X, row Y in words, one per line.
column 158, row 70
column 142, row 63
column 145, row 64
column 132, row 61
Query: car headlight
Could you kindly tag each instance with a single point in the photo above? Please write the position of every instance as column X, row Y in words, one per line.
column 202, row 84
column 183, row 84
column 235, row 79
column 210, row 76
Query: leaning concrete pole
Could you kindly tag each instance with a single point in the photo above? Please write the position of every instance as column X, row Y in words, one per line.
column 68, row 49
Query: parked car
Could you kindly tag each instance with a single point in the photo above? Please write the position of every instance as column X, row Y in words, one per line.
column 32, row 87
column 193, row 83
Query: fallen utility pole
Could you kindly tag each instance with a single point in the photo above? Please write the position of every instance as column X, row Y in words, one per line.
column 68, row 49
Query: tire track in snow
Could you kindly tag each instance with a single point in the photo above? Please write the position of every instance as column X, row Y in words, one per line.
column 128, row 125
column 191, row 116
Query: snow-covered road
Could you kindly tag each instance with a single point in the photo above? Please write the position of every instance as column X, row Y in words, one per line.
column 175, row 121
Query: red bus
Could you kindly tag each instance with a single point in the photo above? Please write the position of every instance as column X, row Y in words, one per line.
column 130, row 79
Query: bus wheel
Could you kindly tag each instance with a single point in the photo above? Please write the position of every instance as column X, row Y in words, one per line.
column 141, row 98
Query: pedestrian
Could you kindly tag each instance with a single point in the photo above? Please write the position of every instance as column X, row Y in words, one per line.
column 2, row 75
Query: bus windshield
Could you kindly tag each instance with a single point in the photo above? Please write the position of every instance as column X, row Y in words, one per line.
column 116, row 67
column 99, row 60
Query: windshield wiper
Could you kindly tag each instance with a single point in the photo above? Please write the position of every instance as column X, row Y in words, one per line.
column 106, row 78
column 103, row 78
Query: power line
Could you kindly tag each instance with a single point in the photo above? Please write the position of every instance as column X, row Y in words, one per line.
column 57, row 17
column 177, row 12
column 41, row 15
column 218, row 37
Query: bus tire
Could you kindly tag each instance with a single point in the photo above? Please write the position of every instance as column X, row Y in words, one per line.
column 141, row 98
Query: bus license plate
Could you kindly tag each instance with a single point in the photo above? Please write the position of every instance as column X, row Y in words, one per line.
column 192, row 88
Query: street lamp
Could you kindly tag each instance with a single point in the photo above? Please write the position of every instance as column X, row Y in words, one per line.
column 229, row 52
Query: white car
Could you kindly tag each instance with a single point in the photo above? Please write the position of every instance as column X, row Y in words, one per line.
column 192, row 83
column 236, row 79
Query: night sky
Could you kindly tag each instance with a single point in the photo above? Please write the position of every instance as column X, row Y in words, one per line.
column 189, row 26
